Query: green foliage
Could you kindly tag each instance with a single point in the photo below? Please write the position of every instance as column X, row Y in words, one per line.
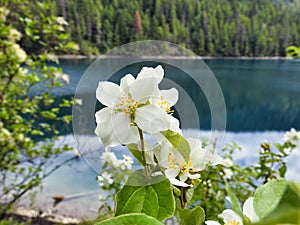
column 235, row 204
column 278, row 202
column 154, row 199
column 193, row 216
column 243, row 181
column 24, row 114
column 131, row 219
column 214, row 28
column 134, row 149
column 10, row 222
column 179, row 143
column 293, row 51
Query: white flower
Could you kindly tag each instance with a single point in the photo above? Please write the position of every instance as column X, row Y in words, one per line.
column 111, row 159
column 23, row 70
column 232, row 218
column 100, row 178
column 292, row 136
column 228, row 173
column 52, row 57
column 61, row 20
column 227, row 162
column 128, row 161
column 3, row 13
column 178, row 171
column 21, row 137
column 287, row 151
column 14, row 35
column 108, row 177
column 19, row 52
column 78, row 101
column 5, row 132
column 101, row 198
column 62, row 76
column 130, row 105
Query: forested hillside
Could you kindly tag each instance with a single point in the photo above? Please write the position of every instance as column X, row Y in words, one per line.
column 208, row 27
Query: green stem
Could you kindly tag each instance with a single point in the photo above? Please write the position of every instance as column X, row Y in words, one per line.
column 143, row 151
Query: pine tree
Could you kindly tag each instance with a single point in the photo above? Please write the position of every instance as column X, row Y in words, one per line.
column 208, row 27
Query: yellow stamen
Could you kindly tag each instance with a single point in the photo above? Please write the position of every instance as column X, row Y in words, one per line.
column 127, row 105
column 234, row 222
column 187, row 167
column 162, row 103
column 171, row 161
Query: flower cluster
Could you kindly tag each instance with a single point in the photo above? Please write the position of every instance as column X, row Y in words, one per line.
column 111, row 159
column 138, row 106
column 113, row 167
column 293, row 137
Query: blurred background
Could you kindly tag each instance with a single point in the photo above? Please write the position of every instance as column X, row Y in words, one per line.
column 46, row 46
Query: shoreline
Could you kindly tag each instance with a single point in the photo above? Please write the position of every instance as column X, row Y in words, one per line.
column 76, row 57
column 38, row 217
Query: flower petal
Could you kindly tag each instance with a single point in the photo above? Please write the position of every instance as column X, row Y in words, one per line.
column 211, row 222
column 161, row 152
column 157, row 73
column 172, row 173
column 151, row 119
column 143, row 89
column 176, row 182
column 249, row 211
column 229, row 215
column 174, row 124
column 217, row 160
column 183, row 177
column 104, row 128
column 198, row 154
column 170, row 96
column 103, row 115
column 194, row 176
column 105, row 131
column 116, row 129
column 178, row 156
column 126, row 81
column 108, row 93
column 125, row 133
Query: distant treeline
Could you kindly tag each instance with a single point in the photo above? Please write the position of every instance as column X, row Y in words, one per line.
column 208, row 27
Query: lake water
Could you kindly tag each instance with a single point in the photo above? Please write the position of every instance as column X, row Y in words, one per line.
column 262, row 99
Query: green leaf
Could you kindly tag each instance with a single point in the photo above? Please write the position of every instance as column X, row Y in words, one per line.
column 267, row 197
column 131, row 219
column 282, row 170
column 189, row 194
column 278, row 202
column 235, row 204
column 193, row 216
column 179, row 143
column 140, row 194
column 283, row 218
column 136, row 152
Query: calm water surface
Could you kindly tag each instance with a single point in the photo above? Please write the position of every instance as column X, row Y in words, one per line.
column 259, row 94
